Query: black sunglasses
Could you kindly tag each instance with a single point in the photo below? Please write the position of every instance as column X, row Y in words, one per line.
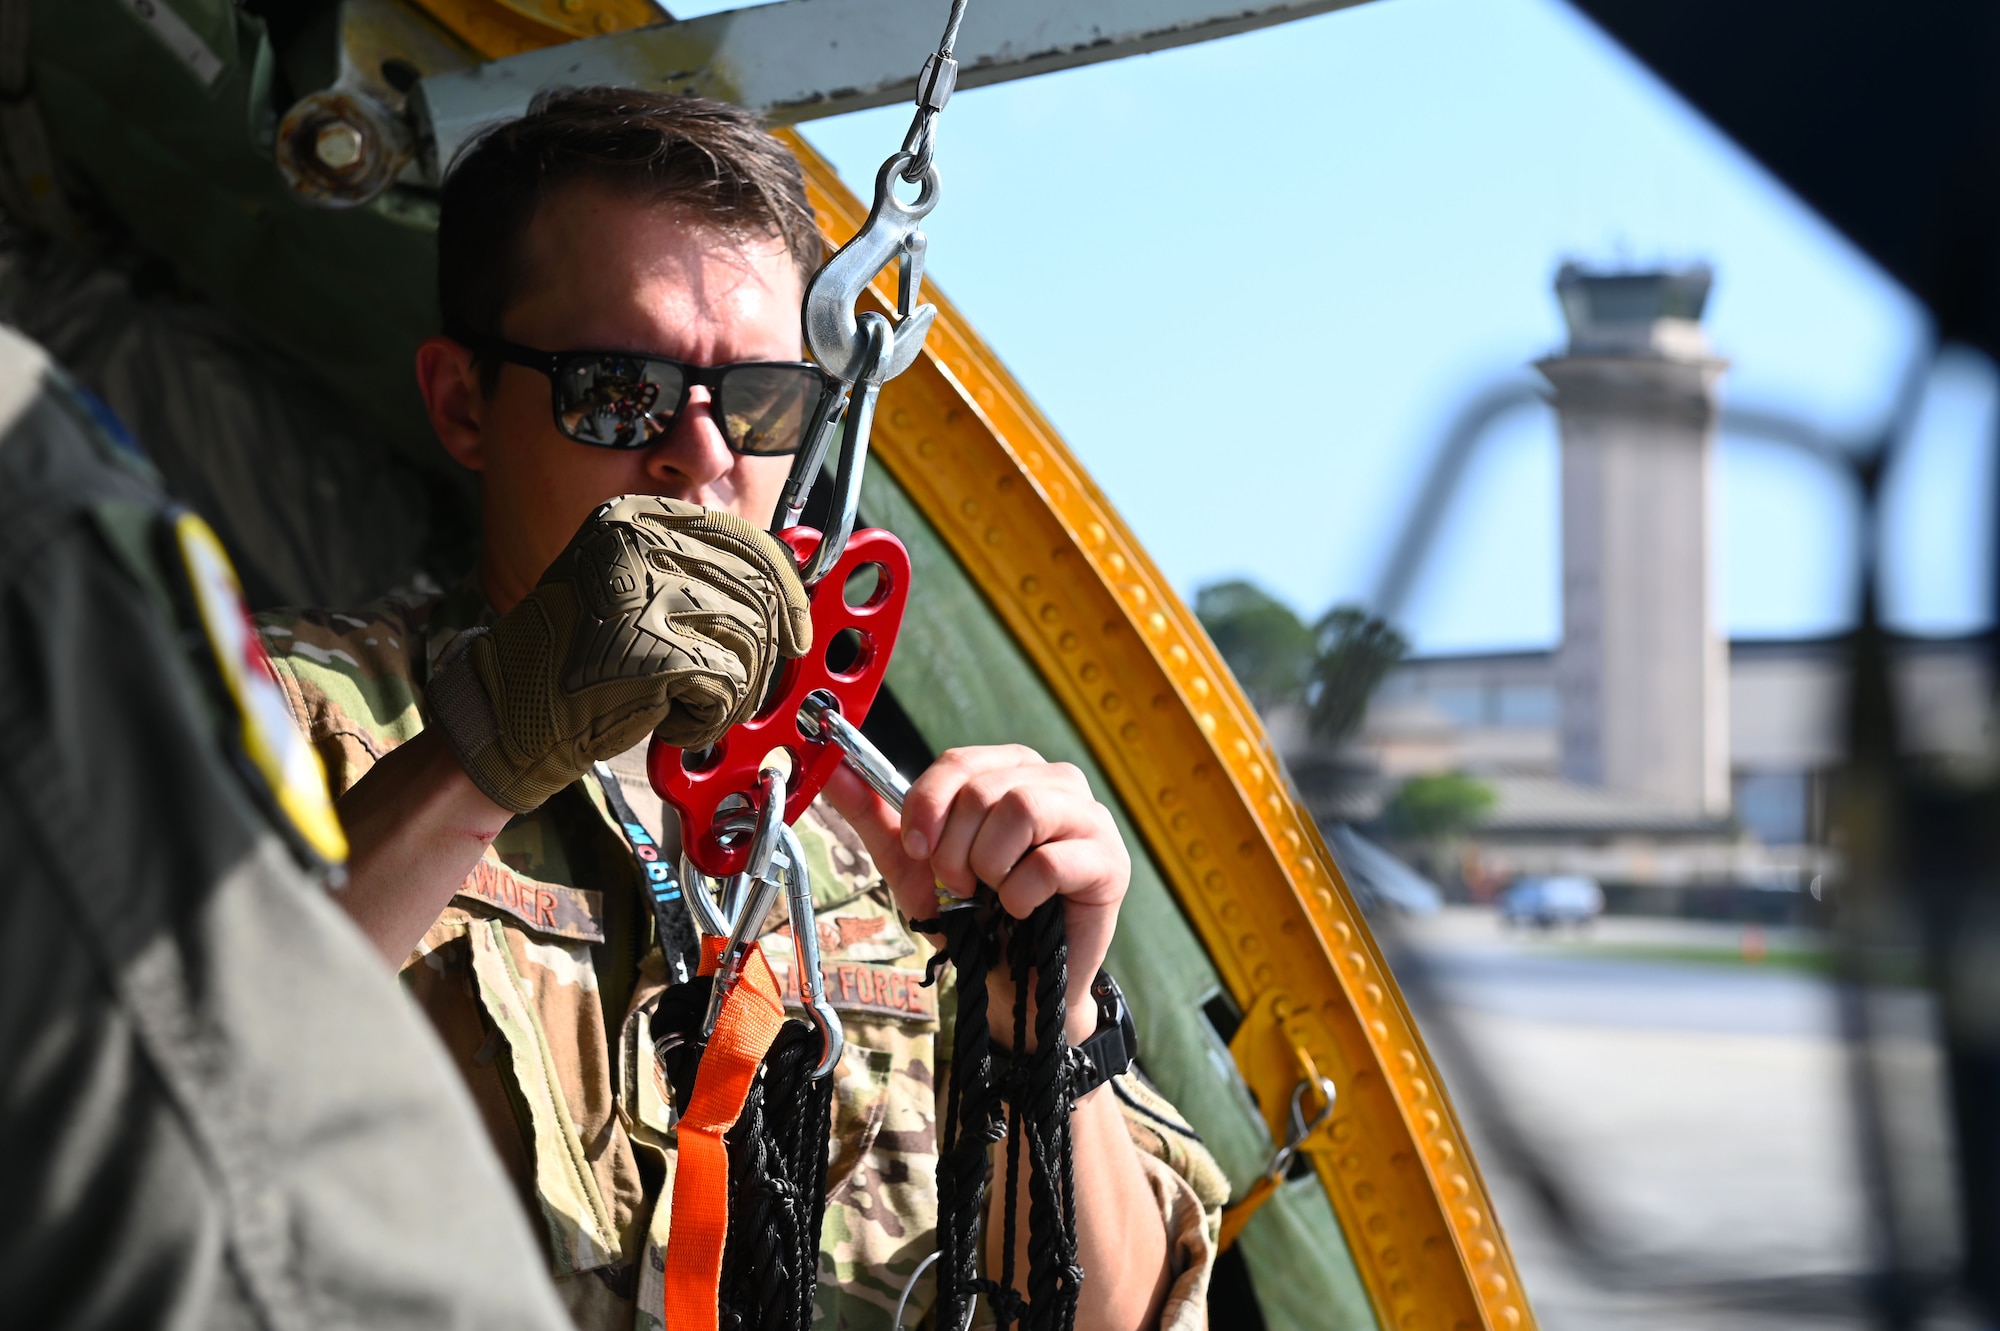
column 619, row 399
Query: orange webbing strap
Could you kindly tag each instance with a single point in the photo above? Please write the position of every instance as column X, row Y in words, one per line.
column 1237, row 1214
column 744, row 1029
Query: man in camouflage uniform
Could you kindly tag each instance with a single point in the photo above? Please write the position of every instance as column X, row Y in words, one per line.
column 672, row 227
column 215, row 1112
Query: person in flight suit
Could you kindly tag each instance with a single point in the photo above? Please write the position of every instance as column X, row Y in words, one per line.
column 613, row 237
column 215, row 1112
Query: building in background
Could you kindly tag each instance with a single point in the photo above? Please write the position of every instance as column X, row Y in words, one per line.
column 1497, row 716
column 1679, row 770
column 1643, row 700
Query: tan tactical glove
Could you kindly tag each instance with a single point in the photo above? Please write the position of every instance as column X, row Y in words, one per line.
column 659, row 616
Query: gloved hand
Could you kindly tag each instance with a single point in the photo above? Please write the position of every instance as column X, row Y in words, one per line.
column 659, row 615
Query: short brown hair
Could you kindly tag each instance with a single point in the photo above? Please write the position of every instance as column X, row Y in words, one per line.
column 711, row 158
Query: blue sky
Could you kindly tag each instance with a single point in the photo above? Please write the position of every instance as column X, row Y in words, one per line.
column 1252, row 280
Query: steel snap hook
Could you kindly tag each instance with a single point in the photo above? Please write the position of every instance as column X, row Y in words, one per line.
column 1300, row 1129
column 892, row 234
column 864, row 350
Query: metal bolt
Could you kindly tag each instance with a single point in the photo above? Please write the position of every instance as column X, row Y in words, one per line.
column 339, row 145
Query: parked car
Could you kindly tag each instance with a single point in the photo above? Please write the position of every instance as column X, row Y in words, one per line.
column 1547, row 902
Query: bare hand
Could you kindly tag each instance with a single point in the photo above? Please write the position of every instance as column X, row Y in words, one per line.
column 1001, row 815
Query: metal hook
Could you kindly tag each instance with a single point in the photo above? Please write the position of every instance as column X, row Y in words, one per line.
column 833, row 330
column 862, row 350
column 1300, row 1129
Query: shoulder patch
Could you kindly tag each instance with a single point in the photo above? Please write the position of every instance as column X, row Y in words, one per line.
column 277, row 754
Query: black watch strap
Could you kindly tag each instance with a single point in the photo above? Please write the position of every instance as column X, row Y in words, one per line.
column 1107, row 1052
column 1110, row 1049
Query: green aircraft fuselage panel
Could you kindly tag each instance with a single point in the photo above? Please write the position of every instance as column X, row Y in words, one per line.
column 182, row 168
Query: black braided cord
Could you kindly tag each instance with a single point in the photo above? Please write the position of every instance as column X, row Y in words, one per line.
column 777, row 1167
column 1029, row 1111
column 777, row 1190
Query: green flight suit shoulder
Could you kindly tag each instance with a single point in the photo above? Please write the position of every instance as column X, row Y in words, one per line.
column 220, row 1112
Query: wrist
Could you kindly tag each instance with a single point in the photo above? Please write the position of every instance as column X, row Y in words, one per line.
column 442, row 789
column 1079, row 1013
column 1080, row 1020
column 1102, row 1040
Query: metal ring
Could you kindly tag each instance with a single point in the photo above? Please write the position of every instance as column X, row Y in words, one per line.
column 905, row 166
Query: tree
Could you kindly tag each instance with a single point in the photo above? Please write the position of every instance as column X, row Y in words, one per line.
column 1352, row 651
column 1438, row 809
column 1265, row 644
column 1432, row 813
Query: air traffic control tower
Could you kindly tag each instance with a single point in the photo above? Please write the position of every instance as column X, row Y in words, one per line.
column 1642, row 673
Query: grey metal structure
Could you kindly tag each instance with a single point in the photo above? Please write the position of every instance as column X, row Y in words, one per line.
column 806, row 59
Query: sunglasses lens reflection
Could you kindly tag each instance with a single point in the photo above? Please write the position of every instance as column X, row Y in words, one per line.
column 629, row 402
column 617, row 401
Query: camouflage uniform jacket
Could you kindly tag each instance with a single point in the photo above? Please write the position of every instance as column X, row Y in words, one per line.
column 543, row 972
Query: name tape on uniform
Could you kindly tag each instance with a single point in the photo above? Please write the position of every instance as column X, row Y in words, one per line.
column 567, row 912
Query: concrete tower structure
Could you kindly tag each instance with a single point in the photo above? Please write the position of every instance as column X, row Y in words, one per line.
column 1642, row 673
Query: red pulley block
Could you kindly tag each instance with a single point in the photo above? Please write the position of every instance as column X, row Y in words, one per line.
column 696, row 785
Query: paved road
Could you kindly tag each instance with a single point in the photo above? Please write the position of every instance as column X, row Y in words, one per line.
column 1696, row 1113
column 1512, row 980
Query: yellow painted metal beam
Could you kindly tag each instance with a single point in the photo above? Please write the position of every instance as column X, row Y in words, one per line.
column 1197, row 773
column 500, row 28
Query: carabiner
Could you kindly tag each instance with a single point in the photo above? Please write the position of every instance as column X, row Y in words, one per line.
column 819, row 717
column 700, row 891
column 762, row 891
column 881, row 338
column 805, row 955
column 716, row 902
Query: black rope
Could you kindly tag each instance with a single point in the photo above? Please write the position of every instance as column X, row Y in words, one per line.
column 777, row 1190
column 777, row 1166
column 1029, row 1110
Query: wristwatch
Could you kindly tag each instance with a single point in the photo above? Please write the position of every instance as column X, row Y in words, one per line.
column 1105, row 1053
column 1110, row 1049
